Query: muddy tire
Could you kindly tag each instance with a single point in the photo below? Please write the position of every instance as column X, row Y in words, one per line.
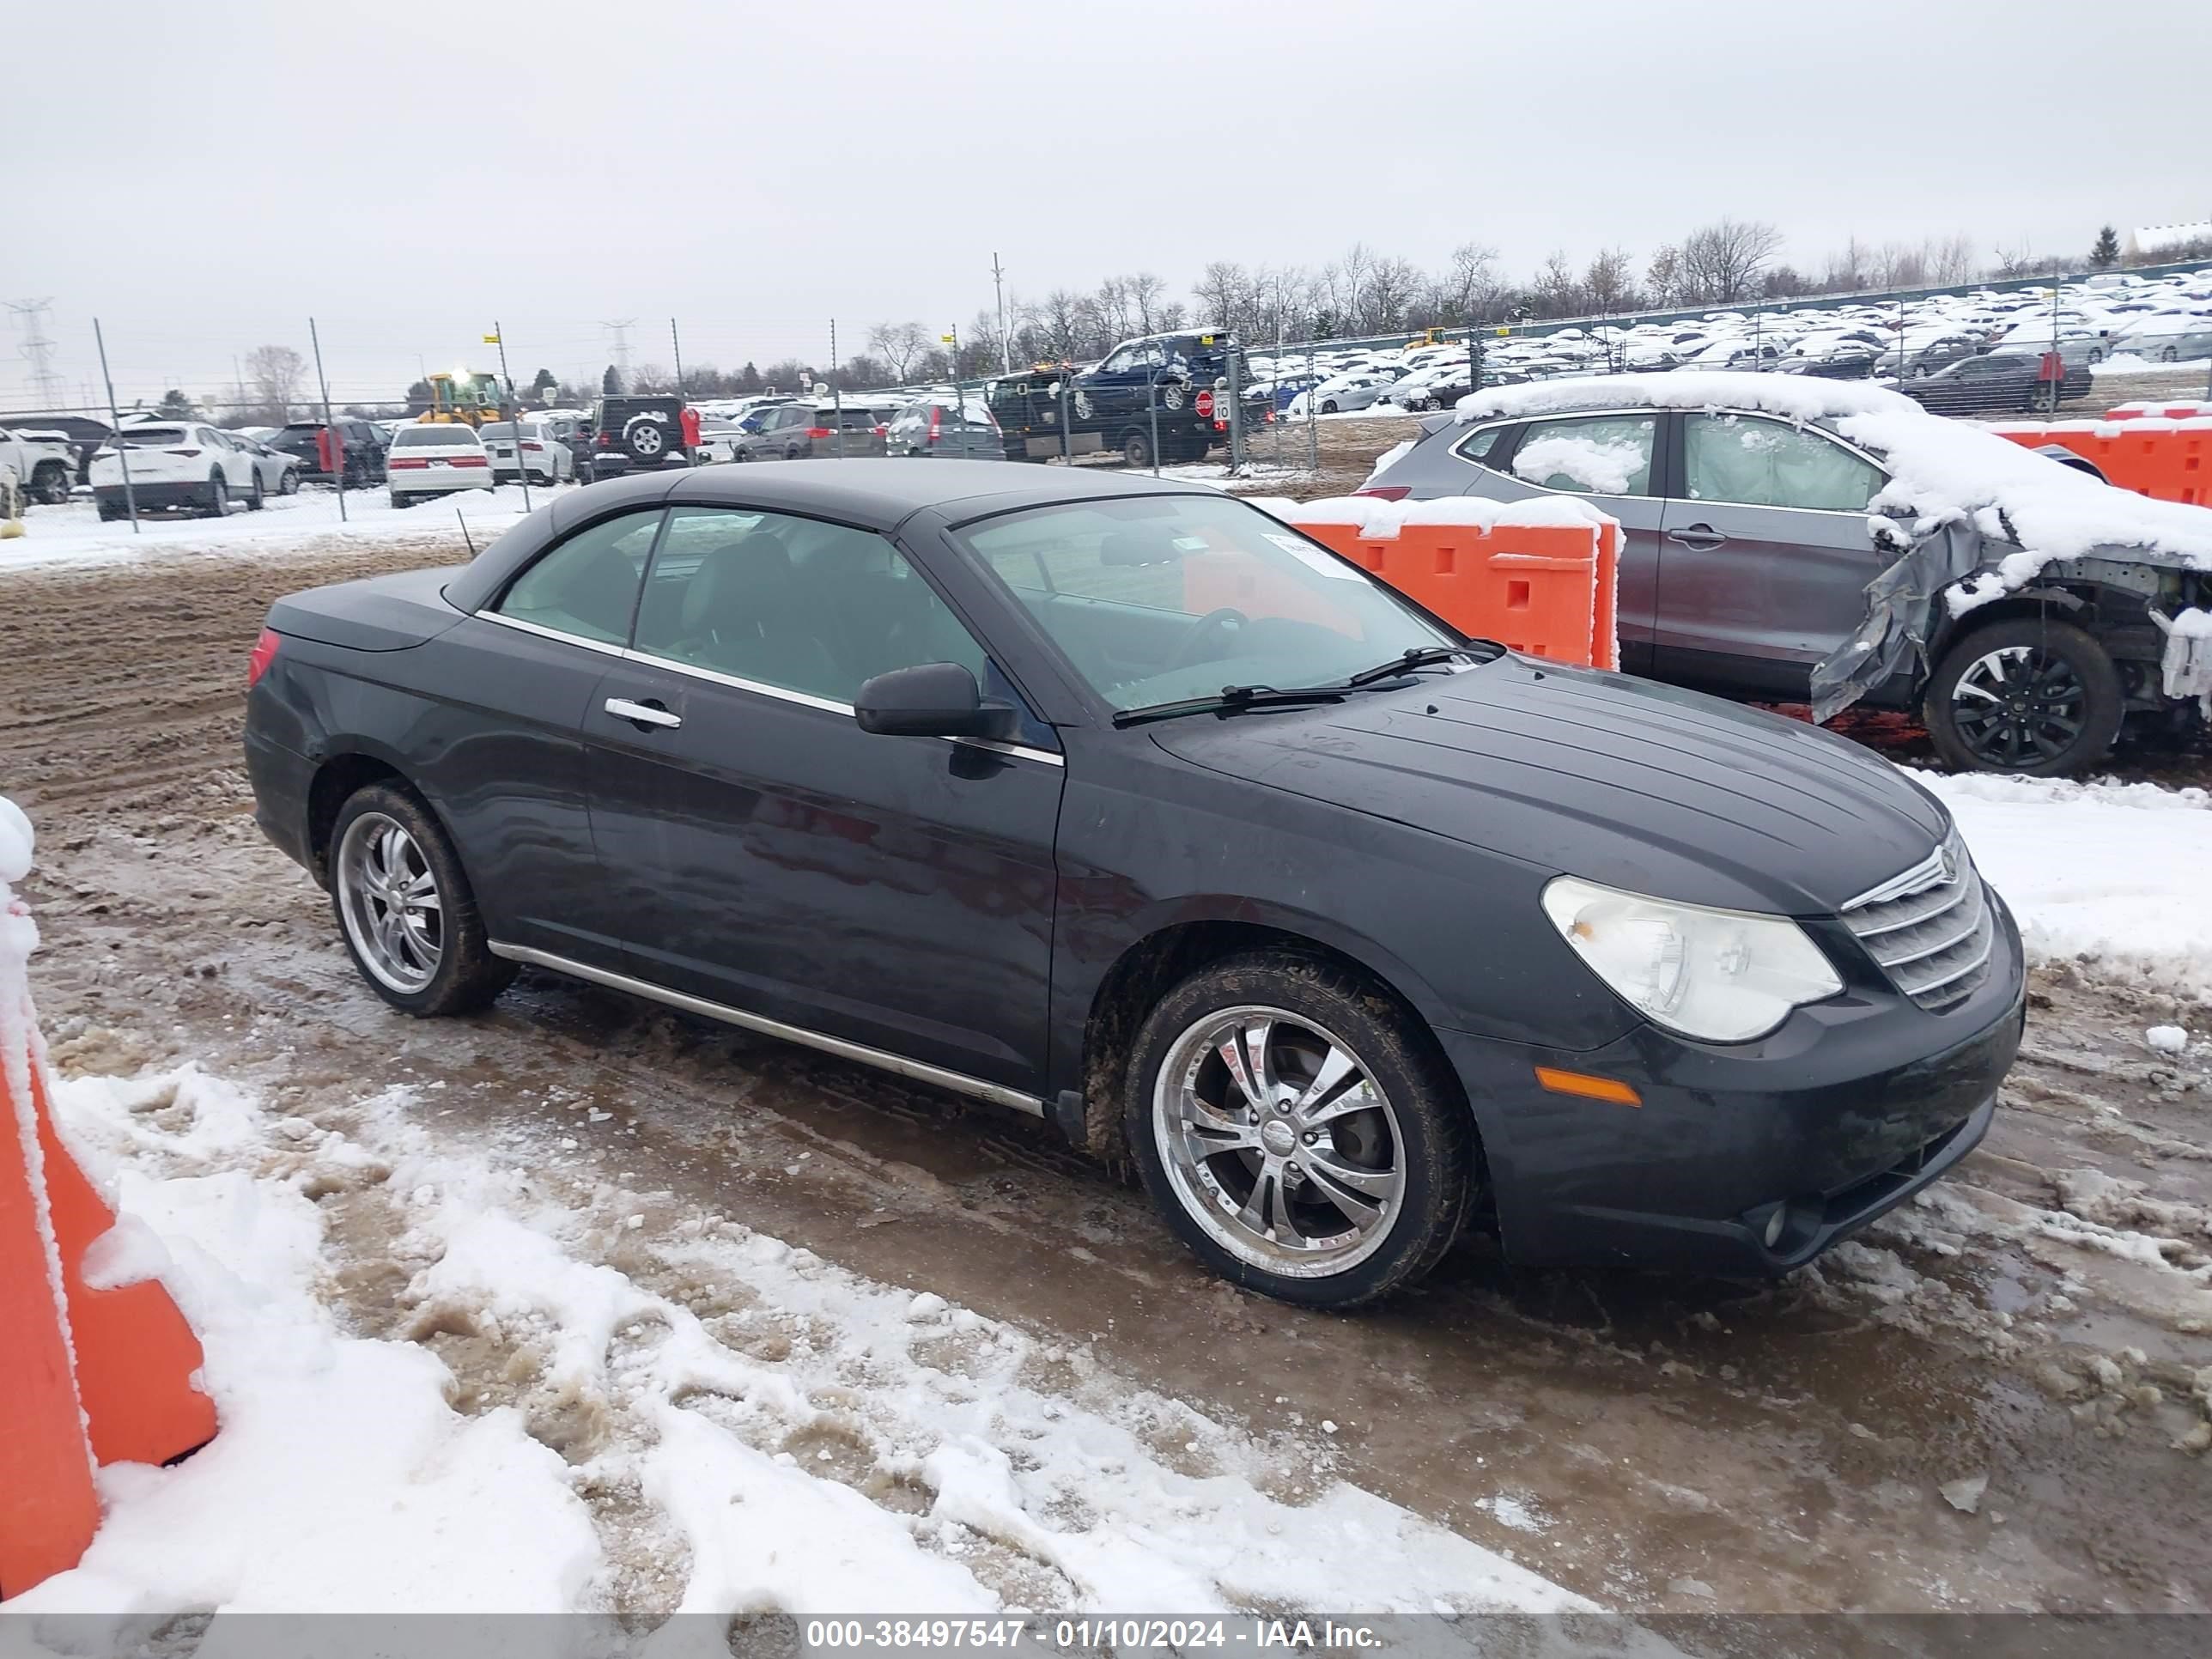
column 1136, row 449
column 2030, row 695
column 1297, row 1132
column 405, row 910
column 49, row 483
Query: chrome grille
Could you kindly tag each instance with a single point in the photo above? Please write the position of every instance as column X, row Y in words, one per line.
column 1930, row 928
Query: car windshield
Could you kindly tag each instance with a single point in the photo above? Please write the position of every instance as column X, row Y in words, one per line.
column 1155, row 598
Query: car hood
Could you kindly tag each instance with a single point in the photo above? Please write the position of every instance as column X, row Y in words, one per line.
column 1640, row 786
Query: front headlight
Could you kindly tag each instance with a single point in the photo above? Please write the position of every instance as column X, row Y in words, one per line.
column 1718, row 976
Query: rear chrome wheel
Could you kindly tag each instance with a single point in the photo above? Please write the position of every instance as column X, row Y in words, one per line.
column 405, row 908
column 1278, row 1142
column 389, row 900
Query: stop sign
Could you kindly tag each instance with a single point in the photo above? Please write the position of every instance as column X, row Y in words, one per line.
column 1205, row 406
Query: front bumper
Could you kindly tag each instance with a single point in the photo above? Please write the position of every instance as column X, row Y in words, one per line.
column 1847, row 1111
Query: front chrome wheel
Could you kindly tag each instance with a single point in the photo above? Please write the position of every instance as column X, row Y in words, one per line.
column 1277, row 1141
column 388, row 897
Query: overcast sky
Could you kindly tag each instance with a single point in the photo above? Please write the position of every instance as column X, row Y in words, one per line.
column 204, row 176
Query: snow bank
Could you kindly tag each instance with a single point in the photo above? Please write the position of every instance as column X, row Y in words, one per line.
column 771, row 1431
column 2108, row 873
column 1942, row 470
column 72, row 534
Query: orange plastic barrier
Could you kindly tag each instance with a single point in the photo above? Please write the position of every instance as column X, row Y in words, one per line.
column 2163, row 459
column 1547, row 590
column 2149, row 410
column 86, row 1374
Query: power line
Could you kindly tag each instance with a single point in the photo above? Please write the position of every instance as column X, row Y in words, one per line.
column 621, row 331
column 36, row 348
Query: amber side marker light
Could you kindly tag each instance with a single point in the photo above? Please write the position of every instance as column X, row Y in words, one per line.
column 1590, row 1088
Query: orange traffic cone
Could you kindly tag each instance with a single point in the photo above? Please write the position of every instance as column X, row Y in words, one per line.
column 84, row 1373
column 48, row 1509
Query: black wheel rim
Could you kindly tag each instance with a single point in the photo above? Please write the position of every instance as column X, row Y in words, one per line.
column 2018, row 706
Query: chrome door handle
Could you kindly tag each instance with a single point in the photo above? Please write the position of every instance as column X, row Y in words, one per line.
column 1700, row 538
column 644, row 713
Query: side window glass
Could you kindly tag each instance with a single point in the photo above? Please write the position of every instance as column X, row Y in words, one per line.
column 1602, row 455
column 1478, row 444
column 793, row 603
column 588, row 585
column 1759, row 462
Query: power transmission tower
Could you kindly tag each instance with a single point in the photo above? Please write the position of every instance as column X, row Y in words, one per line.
column 38, row 349
column 621, row 331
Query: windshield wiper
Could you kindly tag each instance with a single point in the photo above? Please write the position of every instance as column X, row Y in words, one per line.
column 1232, row 699
column 1427, row 656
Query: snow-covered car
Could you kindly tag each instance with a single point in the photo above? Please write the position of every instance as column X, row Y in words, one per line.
column 40, row 465
column 1794, row 540
column 435, row 460
column 2167, row 337
column 519, row 447
column 1344, row 393
column 174, row 464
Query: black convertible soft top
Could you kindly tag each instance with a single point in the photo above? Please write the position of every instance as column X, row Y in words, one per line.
column 873, row 494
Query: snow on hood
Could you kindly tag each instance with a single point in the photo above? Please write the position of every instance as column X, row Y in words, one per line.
column 1942, row 470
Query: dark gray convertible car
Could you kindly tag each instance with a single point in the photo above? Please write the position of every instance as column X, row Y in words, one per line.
column 1127, row 805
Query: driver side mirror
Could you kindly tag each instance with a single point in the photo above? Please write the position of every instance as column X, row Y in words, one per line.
column 930, row 700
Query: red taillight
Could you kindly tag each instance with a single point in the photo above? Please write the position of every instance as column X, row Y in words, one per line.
column 401, row 463
column 264, row 653
column 533, row 445
column 935, row 424
column 819, row 432
column 186, row 453
column 881, row 431
column 1387, row 492
column 606, row 440
column 468, row 460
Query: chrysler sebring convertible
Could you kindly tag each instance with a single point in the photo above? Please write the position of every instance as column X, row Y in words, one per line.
column 1124, row 804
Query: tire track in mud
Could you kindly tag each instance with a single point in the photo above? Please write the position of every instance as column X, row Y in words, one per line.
column 1780, row 1445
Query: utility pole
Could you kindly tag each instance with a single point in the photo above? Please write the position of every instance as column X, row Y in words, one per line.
column 115, row 425
column 514, row 424
column 330, row 425
column 836, row 392
column 676, row 346
column 1005, row 346
column 38, row 350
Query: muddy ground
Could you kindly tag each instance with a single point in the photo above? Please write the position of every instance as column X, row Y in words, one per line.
column 1653, row 1443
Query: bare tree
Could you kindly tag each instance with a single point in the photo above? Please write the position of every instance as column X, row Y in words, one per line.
column 1466, row 291
column 1721, row 262
column 1391, row 285
column 1953, row 260
column 1146, row 291
column 1665, row 275
column 276, row 372
column 1061, row 320
column 901, row 345
column 1609, row 284
column 1558, row 292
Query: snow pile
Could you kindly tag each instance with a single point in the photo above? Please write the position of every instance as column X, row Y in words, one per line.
column 575, row 1413
column 72, row 534
column 1942, row 470
column 1603, row 468
column 2108, row 872
column 2166, row 1039
column 1379, row 520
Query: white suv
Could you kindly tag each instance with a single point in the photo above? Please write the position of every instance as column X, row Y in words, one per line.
column 174, row 464
column 436, row 460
